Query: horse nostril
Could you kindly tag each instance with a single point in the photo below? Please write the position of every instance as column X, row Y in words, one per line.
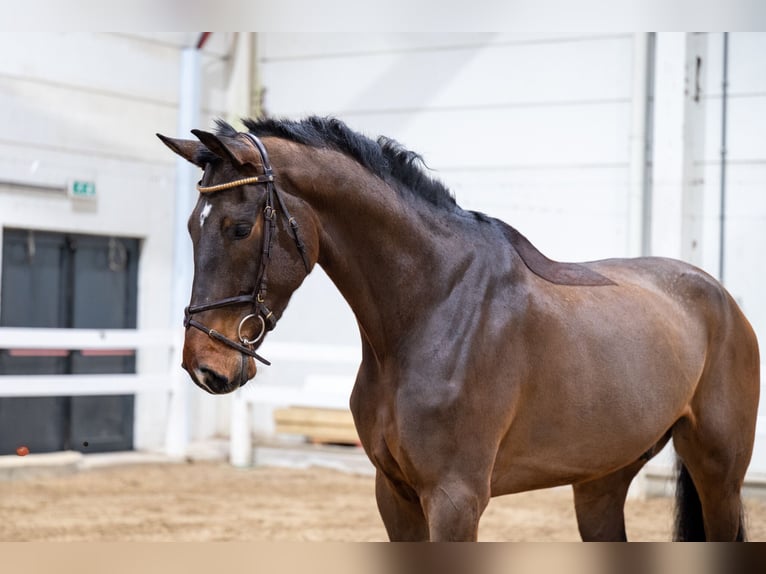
column 213, row 380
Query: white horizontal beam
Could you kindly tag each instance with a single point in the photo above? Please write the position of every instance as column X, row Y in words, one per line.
column 293, row 397
column 25, row 338
column 311, row 353
column 78, row 385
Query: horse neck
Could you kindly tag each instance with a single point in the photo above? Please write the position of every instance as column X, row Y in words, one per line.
column 391, row 256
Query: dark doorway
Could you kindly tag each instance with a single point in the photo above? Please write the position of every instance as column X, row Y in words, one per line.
column 67, row 281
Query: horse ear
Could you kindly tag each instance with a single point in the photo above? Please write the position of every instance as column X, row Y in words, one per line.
column 231, row 148
column 187, row 149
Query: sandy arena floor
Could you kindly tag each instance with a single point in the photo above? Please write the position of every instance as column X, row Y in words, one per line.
column 207, row 501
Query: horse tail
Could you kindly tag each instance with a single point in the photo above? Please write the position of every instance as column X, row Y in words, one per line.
column 689, row 525
column 741, row 534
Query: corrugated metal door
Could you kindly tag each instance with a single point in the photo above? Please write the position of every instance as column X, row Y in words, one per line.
column 77, row 281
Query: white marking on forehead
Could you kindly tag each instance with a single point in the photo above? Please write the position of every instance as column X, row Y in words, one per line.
column 205, row 212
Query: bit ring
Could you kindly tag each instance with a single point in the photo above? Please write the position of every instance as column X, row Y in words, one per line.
column 245, row 340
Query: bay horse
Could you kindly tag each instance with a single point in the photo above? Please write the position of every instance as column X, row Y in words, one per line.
column 487, row 368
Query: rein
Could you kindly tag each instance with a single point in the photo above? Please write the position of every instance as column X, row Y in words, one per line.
column 259, row 311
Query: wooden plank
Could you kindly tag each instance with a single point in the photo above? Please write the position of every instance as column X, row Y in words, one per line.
column 319, row 425
column 320, row 434
column 308, row 415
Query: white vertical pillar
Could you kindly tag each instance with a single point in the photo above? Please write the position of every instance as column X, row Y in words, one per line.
column 678, row 143
column 692, row 200
column 638, row 214
column 177, row 436
column 240, row 440
column 239, row 97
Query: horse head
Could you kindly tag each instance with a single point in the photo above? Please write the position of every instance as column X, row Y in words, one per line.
column 253, row 246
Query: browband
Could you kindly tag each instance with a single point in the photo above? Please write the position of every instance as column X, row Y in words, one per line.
column 236, row 183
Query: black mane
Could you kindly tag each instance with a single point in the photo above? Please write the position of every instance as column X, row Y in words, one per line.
column 385, row 157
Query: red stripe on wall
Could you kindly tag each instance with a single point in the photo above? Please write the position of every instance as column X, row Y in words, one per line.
column 38, row 353
column 107, row 352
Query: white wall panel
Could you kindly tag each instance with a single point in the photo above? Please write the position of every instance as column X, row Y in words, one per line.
column 121, row 78
column 746, row 63
column 133, row 199
column 56, row 117
column 463, row 78
column 556, row 136
column 93, row 62
column 283, row 46
column 746, row 245
column 548, row 205
column 746, row 129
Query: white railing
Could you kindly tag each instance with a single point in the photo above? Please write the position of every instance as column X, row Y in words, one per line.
column 60, row 342
column 45, row 342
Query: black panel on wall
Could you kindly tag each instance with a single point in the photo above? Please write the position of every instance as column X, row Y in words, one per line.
column 67, row 281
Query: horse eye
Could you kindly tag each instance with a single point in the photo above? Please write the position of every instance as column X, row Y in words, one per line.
column 242, row 230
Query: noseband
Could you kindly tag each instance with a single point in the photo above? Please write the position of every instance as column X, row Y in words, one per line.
column 260, row 313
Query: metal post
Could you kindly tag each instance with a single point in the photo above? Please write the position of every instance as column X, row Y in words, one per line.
column 724, row 102
column 177, row 436
column 646, row 223
column 640, row 190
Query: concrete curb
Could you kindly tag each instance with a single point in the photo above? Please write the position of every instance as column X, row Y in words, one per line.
column 14, row 467
column 347, row 459
column 657, row 480
column 63, row 463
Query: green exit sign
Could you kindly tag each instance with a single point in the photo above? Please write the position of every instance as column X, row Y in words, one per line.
column 82, row 189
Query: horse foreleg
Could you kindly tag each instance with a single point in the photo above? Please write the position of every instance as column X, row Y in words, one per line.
column 453, row 510
column 600, row 505
column 401, row 512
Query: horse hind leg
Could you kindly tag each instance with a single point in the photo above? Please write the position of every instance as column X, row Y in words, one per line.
column 600, row 503
column 599, row 507
column 714, row 439
column 708, row 490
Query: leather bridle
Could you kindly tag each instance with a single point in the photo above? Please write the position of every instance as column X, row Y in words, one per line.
column 257, row 299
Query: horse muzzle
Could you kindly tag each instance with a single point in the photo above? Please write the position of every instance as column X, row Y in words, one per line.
column 215, row 371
